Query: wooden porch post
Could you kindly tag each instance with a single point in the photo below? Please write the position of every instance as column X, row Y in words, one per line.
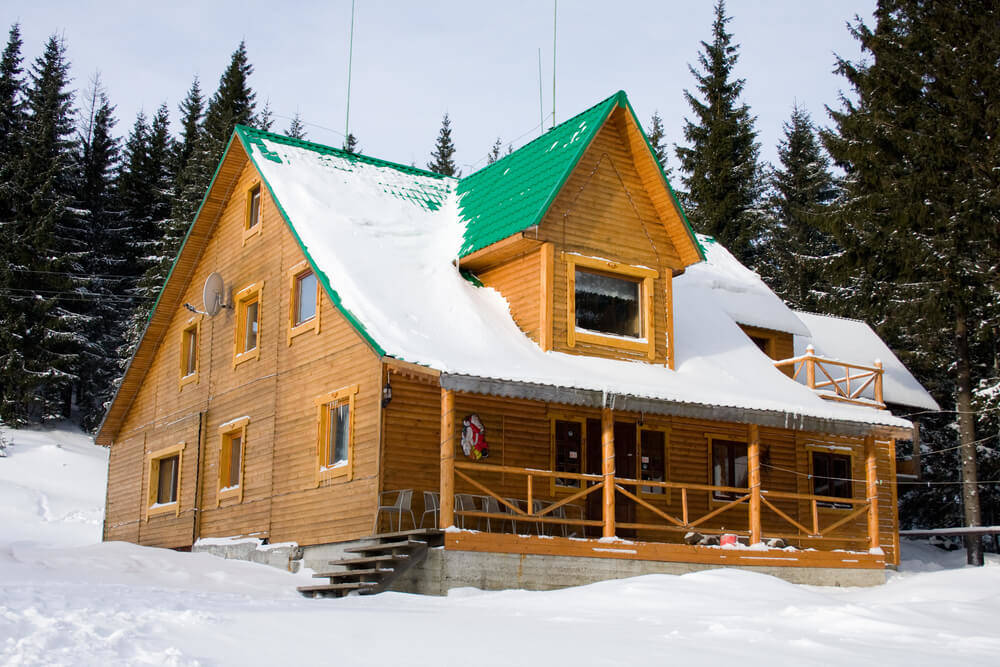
column 871, row 484
column 608, row 468
column 447, row 458
column 810, row 367
column 753, row 459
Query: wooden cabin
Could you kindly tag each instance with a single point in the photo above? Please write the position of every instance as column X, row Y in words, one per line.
column 635, row 386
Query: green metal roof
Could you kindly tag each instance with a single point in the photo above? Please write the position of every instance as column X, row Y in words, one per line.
column 514, row 192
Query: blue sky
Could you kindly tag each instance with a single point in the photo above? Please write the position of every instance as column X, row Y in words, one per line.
column 478, row 61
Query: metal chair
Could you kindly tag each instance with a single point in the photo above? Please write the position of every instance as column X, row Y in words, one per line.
column 464, row 502
column 432, row 506
column 539, row 506
column 519, row 504
column 402, row 504
column 493, row 506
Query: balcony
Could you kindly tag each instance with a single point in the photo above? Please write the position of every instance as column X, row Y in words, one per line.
column 838, row 380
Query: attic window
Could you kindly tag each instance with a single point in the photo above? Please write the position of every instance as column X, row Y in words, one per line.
column 248, row 312
column 610, row 304
column 252, row 224
column 607, row 304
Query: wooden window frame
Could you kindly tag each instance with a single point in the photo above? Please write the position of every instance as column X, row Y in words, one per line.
column 244, row 297
column 712, row 438
column 153, row 480
column 581, row 421
column 646, row 278
column 665, row 430
column 226, row 432
column 838, row 450
column 339, row 396
column 312, row 324
column 192, row 378
column 248, row 231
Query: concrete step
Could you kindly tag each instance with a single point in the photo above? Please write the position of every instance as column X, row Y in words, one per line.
column 351, row 574
column 336, row 590
column 369, row 560
column 382, row 547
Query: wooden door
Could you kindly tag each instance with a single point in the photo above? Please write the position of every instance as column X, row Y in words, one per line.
column 625, row 466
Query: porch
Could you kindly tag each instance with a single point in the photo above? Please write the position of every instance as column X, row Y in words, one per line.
column 641, row 511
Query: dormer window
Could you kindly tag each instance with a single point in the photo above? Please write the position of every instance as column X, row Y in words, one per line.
column 608, row 304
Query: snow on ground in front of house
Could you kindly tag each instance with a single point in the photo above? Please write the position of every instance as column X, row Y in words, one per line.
column 67, row 599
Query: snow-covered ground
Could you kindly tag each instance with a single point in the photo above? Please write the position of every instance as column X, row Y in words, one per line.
column 66, row 598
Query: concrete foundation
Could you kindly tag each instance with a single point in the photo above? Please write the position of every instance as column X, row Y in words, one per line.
column 444, row 569
column 284, row 556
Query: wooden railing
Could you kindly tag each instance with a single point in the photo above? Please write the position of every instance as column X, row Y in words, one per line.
column 684, row 522
column 840, row 384
column 859, row 506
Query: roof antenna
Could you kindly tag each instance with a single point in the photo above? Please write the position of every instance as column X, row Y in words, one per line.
column 555, row 6
column 350, row 59
column 541, row 112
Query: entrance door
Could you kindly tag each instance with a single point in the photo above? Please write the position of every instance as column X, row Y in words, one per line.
column 625, row 466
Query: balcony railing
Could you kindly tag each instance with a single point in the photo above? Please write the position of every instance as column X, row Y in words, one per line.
column 838, row 380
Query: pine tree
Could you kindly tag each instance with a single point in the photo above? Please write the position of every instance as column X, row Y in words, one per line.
column 494, row 153
column 106, row 236
column 720, row 170
column 657, row 139
column 920, row 224
column 351, row 144
column 296, row 129
column 265, row 119
column 46, row 253
column 795, row 250
column 12, row 279
column 443, row 155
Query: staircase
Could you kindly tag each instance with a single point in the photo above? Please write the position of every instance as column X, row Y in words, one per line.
column 377, row 564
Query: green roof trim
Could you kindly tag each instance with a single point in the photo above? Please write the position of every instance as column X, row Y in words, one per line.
column 253, row 139
column 514, row 192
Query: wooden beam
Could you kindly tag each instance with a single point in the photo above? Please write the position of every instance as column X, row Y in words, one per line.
column 547, row 263
column 499, row 252
column 447, row 458
column 871, row 484
column 753, row 460
column 608, row 468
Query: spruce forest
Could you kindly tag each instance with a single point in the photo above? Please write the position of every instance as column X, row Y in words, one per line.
column 887, row 211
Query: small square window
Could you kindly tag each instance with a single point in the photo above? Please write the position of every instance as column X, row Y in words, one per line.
column 232, row 458
column 607, row 304
column 338, row 433
column 189, row 352
column 167, row 476
column 164, row 480
column 305, row 297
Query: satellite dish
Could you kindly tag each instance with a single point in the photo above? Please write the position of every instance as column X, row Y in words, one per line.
column 212, row 294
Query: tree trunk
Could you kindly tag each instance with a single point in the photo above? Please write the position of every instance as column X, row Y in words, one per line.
column 967, row 435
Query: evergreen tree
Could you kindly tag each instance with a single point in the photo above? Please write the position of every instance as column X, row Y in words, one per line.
column 494, row 153
column 720, row 170
column 921, row 219
column 443, row 155
column 12, row 278
column 296, row 129
column 351, row 144
column 795, row 250
column 45, row 254
column 105, row 235
column 265, row 119
column 657, row 139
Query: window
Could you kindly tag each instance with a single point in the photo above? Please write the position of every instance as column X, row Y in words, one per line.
column 189, row 351
column 232, row 454
column 729, row 467
column 252, row 224
column 164, row 480
column 303, row 308
column 568, row 444
column 335, row 441
column 248, row 323
column 653, row 460
column 607, row 304
column 610, row 304
column 763, row 343
column 832, row 476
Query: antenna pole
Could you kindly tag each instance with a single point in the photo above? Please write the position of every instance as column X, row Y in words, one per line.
column 555, row 7
column 350, row 62
column 541, row 113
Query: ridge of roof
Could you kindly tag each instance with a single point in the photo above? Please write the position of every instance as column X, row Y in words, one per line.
column 494, row 207
column 252, row 134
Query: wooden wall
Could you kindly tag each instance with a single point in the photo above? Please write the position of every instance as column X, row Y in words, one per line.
column 519, row 281
column 281, row 498
column 518, row 433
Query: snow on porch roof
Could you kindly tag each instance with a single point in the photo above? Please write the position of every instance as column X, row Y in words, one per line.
column 854, row 341
column 382, row 239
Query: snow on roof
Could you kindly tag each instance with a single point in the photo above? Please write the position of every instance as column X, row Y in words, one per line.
column 387, row 259
column 740, row 291
column 854, row 341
